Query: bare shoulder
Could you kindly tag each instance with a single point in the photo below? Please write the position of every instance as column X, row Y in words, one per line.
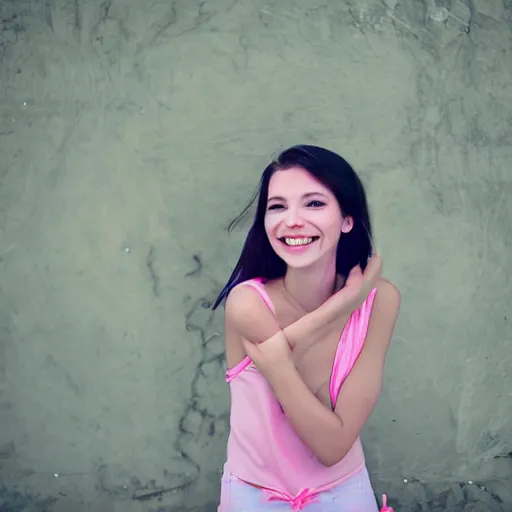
column 248, row 315
column 241, row 300
column 385, row 309
column 388, row 293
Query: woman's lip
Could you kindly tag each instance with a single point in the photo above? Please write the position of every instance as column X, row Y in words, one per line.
column 298, row 236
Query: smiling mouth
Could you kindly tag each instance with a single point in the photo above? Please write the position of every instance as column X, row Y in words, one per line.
column 298, row 242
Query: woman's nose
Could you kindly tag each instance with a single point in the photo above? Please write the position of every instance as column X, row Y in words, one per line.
column 293, row 218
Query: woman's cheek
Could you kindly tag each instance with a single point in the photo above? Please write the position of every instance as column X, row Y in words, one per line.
column 270, row 225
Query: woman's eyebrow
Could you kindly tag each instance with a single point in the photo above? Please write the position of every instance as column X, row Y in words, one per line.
column 305, row 196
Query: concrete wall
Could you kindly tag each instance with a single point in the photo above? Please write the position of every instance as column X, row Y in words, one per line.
column 133, row 131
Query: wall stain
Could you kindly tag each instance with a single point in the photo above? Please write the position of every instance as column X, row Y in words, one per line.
column 150, row 264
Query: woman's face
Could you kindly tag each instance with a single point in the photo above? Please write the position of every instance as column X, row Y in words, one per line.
column 303, row 220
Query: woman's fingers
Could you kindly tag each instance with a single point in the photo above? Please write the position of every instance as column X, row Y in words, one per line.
column 373, row 270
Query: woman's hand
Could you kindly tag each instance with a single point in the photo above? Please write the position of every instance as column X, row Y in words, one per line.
column 359, row 285
column 271, row 357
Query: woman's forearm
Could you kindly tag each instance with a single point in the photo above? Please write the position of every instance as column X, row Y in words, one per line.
column 342, row 302
column 318, row 427
column 312, row 324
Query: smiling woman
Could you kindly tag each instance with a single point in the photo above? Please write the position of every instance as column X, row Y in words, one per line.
column 308, row 322
column 303, row 217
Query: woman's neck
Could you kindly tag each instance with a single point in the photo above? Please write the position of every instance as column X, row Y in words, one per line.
column 310, row 287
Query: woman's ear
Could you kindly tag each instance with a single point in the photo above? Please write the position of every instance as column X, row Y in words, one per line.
column 347, row 224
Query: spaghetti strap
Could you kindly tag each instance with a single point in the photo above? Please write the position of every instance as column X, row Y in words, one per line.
column 257, row 284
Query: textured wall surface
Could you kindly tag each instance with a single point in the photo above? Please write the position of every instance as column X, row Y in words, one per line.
column 133, row 131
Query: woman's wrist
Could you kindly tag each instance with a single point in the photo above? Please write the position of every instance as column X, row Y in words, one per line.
column 336, row 305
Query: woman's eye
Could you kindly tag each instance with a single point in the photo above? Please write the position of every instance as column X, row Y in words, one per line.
column 275, row 206
column 316, row 204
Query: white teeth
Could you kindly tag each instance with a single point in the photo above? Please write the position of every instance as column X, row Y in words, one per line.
column 298, row 241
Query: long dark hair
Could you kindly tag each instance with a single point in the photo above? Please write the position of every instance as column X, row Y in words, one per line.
column 258, row 258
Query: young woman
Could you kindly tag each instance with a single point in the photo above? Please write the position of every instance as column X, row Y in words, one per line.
column 308, row 322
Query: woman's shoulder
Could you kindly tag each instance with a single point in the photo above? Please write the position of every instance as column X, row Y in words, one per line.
column 247, row 311
column 387, row 289
column 251, row 293
column 387, row 297
column 243, row 297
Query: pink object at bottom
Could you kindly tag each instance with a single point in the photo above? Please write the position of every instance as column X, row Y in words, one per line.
column 385, row 507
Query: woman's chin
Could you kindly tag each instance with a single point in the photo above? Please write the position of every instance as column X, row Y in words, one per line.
column 298, row 261
column 302, row 259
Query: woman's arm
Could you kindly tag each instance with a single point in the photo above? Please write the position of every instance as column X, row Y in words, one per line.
column 330, row 435
column 254, row 322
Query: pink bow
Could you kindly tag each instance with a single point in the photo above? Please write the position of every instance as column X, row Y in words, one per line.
column 297, row 502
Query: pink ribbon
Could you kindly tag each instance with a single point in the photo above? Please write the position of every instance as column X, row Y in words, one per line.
column 297, row 502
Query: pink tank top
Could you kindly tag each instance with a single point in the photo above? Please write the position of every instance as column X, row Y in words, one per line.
column 263, row 449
